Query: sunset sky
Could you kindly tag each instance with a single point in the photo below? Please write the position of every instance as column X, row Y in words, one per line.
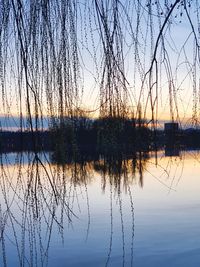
column 177, row 58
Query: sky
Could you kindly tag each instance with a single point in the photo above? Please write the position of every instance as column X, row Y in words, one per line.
column 178, row 74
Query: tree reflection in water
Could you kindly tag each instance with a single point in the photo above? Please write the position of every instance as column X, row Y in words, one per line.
column 39, row 197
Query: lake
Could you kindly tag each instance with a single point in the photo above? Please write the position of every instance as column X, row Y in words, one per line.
column 141, row 212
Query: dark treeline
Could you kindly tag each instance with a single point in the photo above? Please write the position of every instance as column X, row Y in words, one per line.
column 107, row 136
column 24, row 141
column 78, row 135
column 85, row 138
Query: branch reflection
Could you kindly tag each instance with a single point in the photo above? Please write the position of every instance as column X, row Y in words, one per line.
column 40, row 196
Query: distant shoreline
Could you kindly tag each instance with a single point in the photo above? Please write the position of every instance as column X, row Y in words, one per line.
column 17, row 141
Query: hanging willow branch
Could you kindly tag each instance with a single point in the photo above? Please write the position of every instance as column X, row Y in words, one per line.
column 51, row 50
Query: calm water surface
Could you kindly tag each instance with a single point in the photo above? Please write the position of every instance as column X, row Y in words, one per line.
column 139, row 213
